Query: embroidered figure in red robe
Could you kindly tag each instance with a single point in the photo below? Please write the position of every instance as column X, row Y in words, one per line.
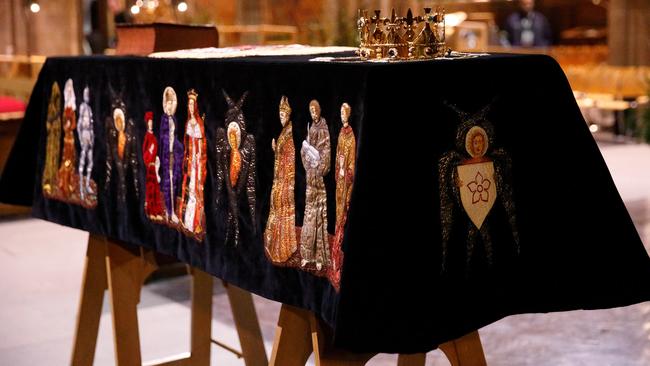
column 153, row 205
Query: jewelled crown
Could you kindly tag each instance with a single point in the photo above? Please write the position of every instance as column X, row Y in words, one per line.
column 402, row 38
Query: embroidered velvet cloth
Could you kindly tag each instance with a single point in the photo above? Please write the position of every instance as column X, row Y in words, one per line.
column 578, row 246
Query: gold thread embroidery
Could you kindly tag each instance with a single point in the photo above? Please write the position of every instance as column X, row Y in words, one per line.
column 62, row 179
column 53, row 126
column 243, row 144
column 280, row 235
column 344, row 172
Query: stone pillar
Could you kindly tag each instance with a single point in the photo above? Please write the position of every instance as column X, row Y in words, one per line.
column 55, row 30
column 629, row 32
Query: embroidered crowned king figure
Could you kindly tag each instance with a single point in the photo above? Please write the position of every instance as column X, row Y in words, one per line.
column 280, row 234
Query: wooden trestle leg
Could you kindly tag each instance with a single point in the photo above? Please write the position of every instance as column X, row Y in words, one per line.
column 122, row 269
column 300, row 333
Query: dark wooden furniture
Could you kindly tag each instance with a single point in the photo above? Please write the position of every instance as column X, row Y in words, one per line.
column 143, row 39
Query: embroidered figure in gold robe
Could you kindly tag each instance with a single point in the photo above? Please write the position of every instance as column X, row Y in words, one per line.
column 280, row 234
column 344, row 171
column 53, row 147
column 236, row 170
column 315, row 154
column 191, row 206
column 473, row 178
column 67, row 176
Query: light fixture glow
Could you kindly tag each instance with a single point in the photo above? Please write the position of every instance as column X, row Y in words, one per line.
column 135, row 9
column 454, row 19
column 593, row 128
column 34, row 8
column 182, row 6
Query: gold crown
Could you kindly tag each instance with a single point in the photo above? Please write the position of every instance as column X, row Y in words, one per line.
column 402, row 38
column 192, row 94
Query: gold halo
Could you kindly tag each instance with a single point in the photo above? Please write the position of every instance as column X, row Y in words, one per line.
column 171, row 94
column 117, row 112
column 234, row 126
column 470, row 136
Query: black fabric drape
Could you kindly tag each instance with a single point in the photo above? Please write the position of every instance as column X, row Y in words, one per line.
column 579, row 248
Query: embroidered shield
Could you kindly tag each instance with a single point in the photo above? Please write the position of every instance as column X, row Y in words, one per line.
column 478, row 190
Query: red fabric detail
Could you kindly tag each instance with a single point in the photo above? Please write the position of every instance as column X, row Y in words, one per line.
column 153, row 197
column 11, row 104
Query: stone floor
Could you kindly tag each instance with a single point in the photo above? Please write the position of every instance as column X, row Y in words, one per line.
column 40, row 277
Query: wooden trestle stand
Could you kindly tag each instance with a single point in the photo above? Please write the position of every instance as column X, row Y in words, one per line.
column 300, row 332
column 122, row 269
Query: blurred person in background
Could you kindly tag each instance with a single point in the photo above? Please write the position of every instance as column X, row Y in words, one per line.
column 527, row 27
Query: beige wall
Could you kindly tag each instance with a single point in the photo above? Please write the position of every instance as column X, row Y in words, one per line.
column 55, row 30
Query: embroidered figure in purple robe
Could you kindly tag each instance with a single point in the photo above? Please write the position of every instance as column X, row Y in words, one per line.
column 171, row 155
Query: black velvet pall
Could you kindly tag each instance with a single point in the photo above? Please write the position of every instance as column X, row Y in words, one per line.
column 578, row 246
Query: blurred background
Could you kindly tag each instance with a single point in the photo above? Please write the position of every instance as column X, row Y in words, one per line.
column 602, row 45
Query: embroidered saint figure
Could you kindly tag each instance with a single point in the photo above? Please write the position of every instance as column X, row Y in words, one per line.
column 171, row 156
column 121, row 152
column 344, row 171
column 280, row 234
column 86, row 132
column 153, row 205
column 473, row 178
column 315, row 154
column 191, row 207
column 236, row 169
column 67, row 178
column 53, row 147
